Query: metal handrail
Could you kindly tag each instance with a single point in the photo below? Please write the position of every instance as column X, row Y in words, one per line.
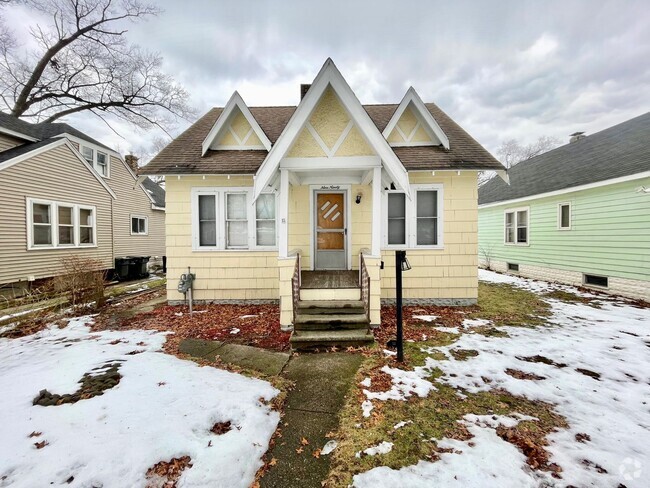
column 364, row 283
column 295, row 285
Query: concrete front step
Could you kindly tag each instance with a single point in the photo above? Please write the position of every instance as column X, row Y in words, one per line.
column 311, row 339
column 332, row 318
column 330, row 306
column 330, row 294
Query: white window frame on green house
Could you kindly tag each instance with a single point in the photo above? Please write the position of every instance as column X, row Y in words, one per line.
column 516, row 226
column 140, row 218
column 222, row 219
column 559, row 215
column 93, row 156
column 53, row 224
column 411, row 217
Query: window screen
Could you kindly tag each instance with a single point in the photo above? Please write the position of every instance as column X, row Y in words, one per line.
column 396, row 219
column 427, row 218
column 236, row 222
column 207, row 220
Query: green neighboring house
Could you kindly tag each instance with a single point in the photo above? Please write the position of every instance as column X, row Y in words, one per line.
column 579, row 214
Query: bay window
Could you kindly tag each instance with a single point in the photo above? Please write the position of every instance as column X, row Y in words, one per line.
column 416, row 222
column 516, row 226
column 224, row 218
column 52, row 224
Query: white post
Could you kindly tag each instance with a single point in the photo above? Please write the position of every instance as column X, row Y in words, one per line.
column 283, row 248
column 376, row 212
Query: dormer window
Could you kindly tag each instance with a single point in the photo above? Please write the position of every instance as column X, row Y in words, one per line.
column 97, row 159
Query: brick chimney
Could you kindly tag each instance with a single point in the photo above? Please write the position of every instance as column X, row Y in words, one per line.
column 304, row 88
column 132, row 161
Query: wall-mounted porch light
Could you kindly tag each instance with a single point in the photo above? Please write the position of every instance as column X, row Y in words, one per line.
column 358, row 200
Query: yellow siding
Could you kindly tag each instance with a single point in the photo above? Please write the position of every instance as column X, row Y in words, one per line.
column 329, row 118
column 220, row 275
column 395, row 137
column 56, row 175
column 354, row 145
column 240, row 126
column 299, row 232
column 421, row 136
column 451, row 272
column 7, row 142
column 132, row 200
column 407, row 121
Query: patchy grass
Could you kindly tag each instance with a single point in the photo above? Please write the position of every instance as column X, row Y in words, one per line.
column 437, row 416
column 434, row 417
column 506, row 305
column 568, row 297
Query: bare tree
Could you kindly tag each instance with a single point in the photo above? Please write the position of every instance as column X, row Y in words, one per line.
column 511, row 152
column 147, row 153
column 84, row 63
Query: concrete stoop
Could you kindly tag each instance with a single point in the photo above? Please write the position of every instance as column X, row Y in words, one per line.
column 329, row 323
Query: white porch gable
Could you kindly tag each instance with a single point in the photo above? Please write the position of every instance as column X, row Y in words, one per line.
column 331, row 154
column 413, row 125
column 236, row 128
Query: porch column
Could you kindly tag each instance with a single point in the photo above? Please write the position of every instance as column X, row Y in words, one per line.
column 283, row 244
column 376, row 212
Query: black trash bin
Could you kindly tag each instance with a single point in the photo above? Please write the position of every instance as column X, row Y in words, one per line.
column 138, row 267
column 122, row 268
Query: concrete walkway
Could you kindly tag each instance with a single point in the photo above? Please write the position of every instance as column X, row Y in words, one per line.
column 321, row 383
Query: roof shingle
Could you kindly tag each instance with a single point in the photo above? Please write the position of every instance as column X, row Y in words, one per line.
column 621, row 150
column 183, row 154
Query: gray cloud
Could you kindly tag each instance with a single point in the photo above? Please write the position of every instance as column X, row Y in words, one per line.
column 502, row 69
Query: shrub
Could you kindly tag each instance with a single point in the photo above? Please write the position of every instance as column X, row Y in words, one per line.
column 83, row 281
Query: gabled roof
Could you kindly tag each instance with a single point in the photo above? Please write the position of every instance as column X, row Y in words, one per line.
column 21, row 153
column 44, row 130
column 330, row 76
column 411, row 98
column 619, row 151
column 156, row 192
column 236, row 102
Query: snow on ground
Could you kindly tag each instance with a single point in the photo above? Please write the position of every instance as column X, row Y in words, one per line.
column 163, row 408
column 610, row 406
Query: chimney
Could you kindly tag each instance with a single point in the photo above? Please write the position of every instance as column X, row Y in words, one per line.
column 576, row 136
column 304, row 88
column 132, row 161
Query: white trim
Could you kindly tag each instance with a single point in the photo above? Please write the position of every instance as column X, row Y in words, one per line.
column 589, row 186
column 347, row 191
column 236, row 101
column 84, row 142
column 156, row 207
column 559, row 215
column 430, row 125
column 146, row 224
column 17, row 135
column 283, row 214
column 95, row 158
column 324, row 163
column 375, row 243
column 515, row 211
column 54, row 224
column 411, row 218
column 219, row 193
column 329, row 75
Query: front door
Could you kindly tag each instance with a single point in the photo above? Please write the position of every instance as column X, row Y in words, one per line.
column 330, row 231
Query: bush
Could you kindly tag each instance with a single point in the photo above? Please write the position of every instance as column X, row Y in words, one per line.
column 83, row 281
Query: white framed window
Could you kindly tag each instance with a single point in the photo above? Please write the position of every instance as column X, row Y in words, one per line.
column 223, row 218
column 516, row 226
column 414, row 223
column 52, row 224
column 564, row 216
column 139, row 225
column 265, row 231
column 97, row 159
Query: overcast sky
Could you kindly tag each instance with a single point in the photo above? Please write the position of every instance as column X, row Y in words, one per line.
column 517, row 69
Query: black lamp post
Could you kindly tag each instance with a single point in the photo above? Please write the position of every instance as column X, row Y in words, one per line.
column 401, row 264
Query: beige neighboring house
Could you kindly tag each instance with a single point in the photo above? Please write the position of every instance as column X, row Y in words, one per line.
column 63, row 193
column 305, row 205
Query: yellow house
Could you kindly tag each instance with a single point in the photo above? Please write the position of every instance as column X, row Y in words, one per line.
column 306, row 205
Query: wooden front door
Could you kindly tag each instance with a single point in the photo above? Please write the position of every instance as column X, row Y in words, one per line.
column 330, row 232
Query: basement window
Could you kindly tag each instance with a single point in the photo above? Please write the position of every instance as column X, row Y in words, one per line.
column 513, row 267
column 594, row 280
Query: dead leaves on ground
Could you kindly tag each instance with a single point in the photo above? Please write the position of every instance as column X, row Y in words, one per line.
column 169, row 471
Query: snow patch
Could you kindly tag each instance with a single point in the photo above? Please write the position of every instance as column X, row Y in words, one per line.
column 426, row 318
column 366, row 382
column 381, row 448
column 367, row 407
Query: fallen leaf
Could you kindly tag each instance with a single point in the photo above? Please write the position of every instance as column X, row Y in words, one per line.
column 35, row 434
column 304, row 442
column 299, row 450
column 316, row 453
column 41, row 445
column 273, row 462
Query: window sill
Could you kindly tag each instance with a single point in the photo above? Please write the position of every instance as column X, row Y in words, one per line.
column 60, row 248
column 517, row 244
column 418, row 248
column 217, row 249
column 139, row 234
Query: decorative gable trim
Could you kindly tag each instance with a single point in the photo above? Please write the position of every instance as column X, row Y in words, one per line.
column 221, row 126
column 411, row 98
column 329, row 75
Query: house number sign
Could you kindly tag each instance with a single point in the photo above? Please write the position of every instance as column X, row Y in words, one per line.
column 330, row 187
